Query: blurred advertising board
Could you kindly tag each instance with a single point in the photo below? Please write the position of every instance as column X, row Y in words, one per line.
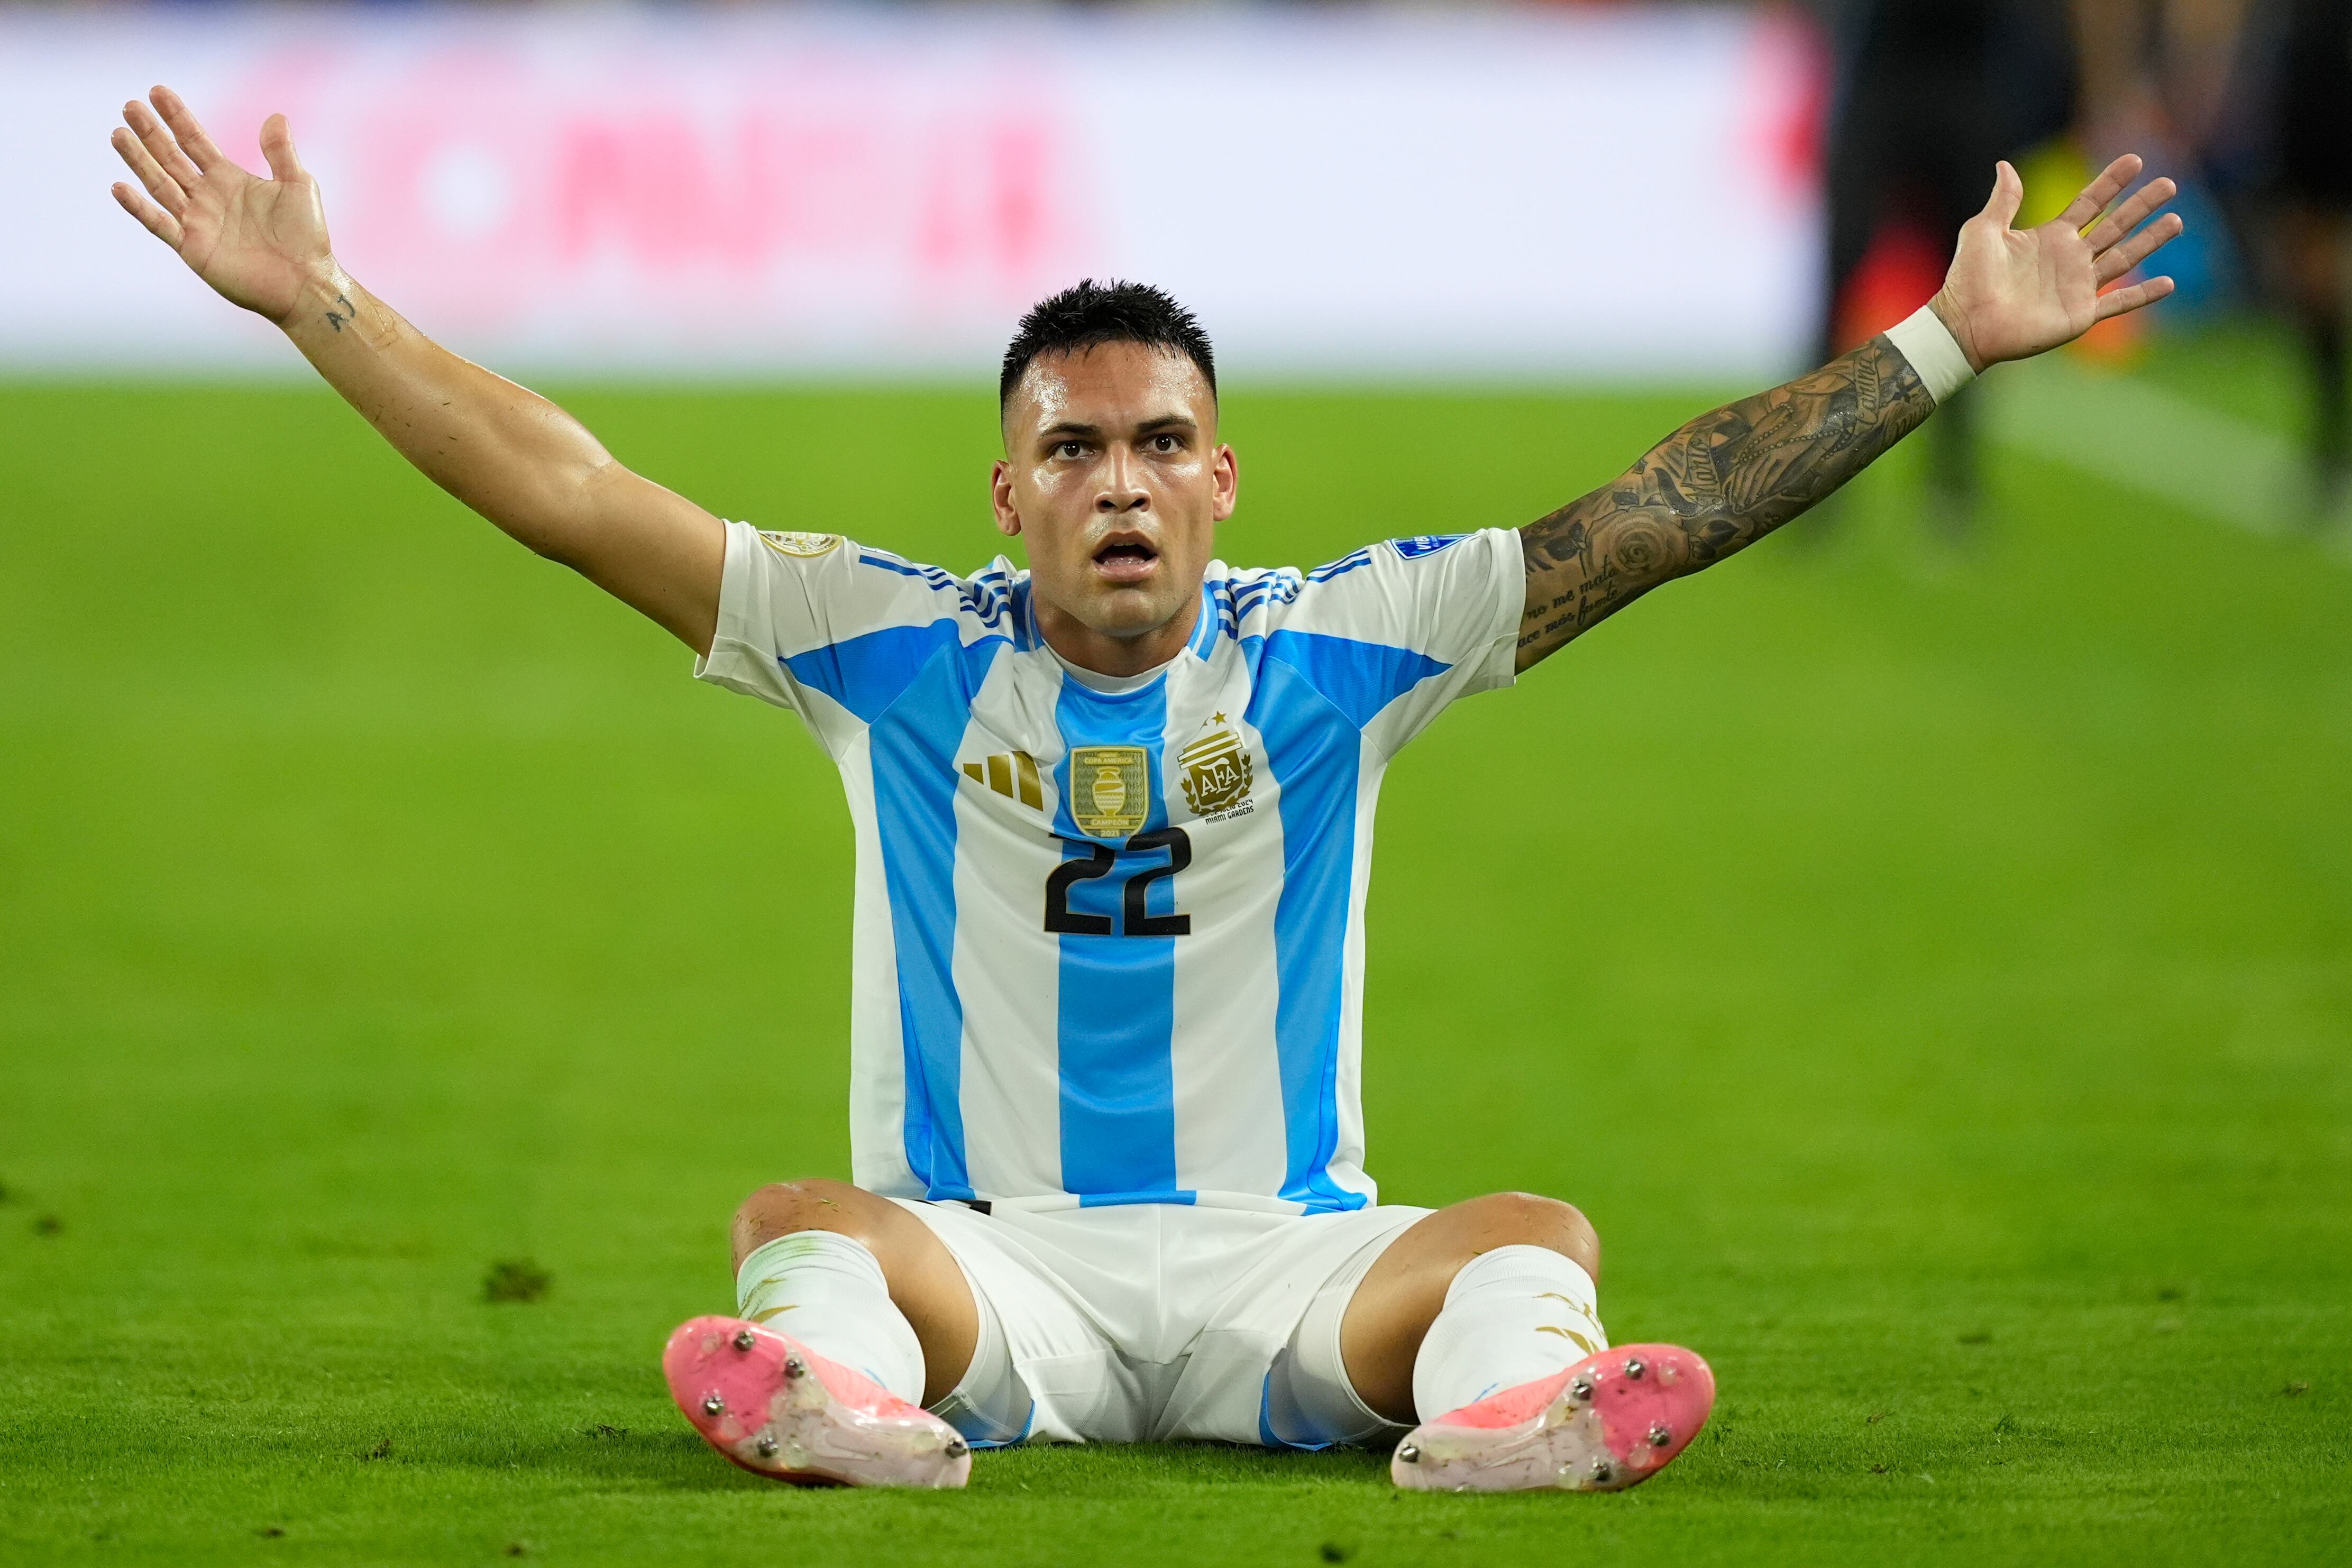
column 1627, row 192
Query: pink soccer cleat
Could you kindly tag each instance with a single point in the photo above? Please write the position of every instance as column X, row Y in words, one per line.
column 1611, row 1421
column 776, row 1408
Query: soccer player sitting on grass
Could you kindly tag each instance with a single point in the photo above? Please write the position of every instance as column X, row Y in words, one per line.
column 1114, row 823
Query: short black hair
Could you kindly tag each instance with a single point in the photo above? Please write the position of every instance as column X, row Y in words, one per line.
column 1089, row 313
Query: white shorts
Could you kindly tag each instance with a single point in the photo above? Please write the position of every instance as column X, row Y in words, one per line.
column 1152, row 1321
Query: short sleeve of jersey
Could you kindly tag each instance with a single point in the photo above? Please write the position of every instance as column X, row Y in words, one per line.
column 1438, row 615
column 783, row 596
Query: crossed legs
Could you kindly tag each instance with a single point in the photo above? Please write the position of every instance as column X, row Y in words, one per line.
column 1380, row 1333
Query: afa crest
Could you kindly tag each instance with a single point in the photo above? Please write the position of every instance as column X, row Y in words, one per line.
column 1111, row 790
column 1217, row 772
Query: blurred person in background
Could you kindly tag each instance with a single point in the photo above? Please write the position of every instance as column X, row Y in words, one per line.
column 1926, row 95
column 2157, row 73
column 2280, row 146
column 2156, row 68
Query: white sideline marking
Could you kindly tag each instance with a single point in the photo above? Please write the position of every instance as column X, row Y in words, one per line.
column 2146, row 439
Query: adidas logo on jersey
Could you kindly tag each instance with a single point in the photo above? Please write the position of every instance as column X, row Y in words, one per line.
column 1013, row 775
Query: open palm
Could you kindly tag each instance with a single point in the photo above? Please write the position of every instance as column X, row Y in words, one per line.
column 254, row 240
column 2013, row 292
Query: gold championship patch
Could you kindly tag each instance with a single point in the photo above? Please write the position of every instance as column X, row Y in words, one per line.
column 799, row 544
column 1111, row 790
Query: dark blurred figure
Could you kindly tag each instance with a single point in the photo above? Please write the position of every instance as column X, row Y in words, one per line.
column 1927, row 95
column 2283, row 149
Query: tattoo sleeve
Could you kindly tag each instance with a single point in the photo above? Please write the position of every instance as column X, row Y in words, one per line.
column 1713, row 488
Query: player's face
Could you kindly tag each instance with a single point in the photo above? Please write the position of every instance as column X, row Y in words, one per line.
column 1113, row 475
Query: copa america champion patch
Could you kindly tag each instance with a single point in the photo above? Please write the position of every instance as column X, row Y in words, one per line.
column 795, row 544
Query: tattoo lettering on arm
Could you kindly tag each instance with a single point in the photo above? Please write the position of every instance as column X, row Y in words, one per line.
column 350, row 312
column 1712, row 488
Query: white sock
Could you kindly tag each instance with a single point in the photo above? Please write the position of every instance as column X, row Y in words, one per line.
column 1511, row 1316
column 828, row 1291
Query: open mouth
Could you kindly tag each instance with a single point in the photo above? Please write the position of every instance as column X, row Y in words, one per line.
column 1126, row 558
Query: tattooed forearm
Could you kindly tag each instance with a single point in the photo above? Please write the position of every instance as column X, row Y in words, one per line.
column 350, row 312
column 1712, row 488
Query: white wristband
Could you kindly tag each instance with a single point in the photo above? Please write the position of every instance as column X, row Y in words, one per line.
column 1934, row 352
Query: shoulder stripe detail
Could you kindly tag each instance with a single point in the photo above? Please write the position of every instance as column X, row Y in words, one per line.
column 988, row 597
column 901, row 565
column 1244, row 600
column 1221, row 605
column 1025, row 620
column 1340, row 568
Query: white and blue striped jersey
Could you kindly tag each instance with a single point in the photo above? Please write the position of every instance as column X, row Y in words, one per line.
column 1110, row 941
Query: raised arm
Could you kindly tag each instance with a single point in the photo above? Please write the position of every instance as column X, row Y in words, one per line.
column 1729, row 477
column 506, row 452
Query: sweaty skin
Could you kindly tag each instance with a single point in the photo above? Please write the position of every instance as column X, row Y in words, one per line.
column 1113, row 477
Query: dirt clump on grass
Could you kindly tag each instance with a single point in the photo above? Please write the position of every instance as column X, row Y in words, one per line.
column 516, row 1280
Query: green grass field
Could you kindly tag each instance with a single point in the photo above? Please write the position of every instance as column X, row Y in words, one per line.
column 1932, row 971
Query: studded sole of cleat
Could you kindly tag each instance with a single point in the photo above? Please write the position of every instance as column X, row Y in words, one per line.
column 1612, row 1421
column 766, row 1408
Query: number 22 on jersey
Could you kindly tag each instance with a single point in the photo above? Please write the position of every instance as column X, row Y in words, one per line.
column 1134, row 918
